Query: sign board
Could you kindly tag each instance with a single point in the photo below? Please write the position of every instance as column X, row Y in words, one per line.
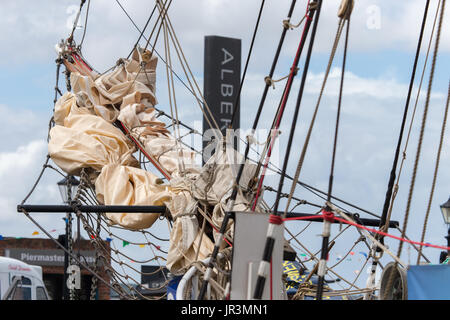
column 248, row 255
column 50, row 257
column 222, row 77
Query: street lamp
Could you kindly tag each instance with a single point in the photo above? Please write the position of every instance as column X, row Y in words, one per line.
column 445, row 209
column 67, row 187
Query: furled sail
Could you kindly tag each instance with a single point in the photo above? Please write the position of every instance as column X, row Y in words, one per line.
column 86, row 135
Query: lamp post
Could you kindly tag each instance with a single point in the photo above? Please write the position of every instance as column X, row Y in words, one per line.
column 67, row 187
column 445, row 209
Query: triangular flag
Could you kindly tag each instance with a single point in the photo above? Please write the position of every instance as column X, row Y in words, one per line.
column 142, row 245
column 108, row 239
column 53, row 230
column 35, row 233
column 125, row 243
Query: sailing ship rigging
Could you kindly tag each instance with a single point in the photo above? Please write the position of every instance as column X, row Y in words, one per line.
column 108, row 130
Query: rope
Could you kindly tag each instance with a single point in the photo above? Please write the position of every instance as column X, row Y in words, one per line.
column 311, row 126
column 44, row 166
column 328, row 216
column 383, row 221
column 333, row 158
column 277, row 120
column 265, row 262
column 71, row 255
column 422, row 129
column 85, row 25
column 438, row 158
column 171, row 92
column 348, row 221
column 141, row 32
column 75, row 23
column 188, row 73
column 396, row 186
column 261, row 105
column 316, row 259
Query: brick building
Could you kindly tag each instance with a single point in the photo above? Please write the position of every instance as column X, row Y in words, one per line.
column 48, row 255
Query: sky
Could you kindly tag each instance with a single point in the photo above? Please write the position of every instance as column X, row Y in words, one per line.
column 382, row 43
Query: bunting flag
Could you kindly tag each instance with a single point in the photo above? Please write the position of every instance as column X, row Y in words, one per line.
column 108, row 239
column 125, row 243
column 53, row 230
column 35, row 233
column 142, row 245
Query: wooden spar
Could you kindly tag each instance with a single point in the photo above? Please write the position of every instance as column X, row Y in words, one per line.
column 148, row 156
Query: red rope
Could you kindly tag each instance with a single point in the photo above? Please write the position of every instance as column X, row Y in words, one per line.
column 280, row 114
column 328, row 216
column 274, row 219
column 371, row 230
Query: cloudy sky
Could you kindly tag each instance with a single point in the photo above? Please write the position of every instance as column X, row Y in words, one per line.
column 382, row 43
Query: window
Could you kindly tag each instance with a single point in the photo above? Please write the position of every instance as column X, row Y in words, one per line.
column 22, row 293
column 20, row 290
column 40, row 294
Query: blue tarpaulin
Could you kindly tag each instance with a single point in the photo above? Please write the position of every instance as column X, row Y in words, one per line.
column 429, row 282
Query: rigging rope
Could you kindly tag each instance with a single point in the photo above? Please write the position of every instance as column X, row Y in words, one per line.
column 383, row 221
column 330, row 182
column 267, row 256
column 422, row 129
column 277, row 121
column 419, row 147
column 438, row 158
column 85, row 25
column 396, row 186
column 235, row 190
column 348, row 221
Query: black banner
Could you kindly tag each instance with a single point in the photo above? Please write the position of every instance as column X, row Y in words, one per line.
column 222, row 76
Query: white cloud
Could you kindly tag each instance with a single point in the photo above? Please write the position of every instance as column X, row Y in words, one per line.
column 17, row 170
column 30, row 29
